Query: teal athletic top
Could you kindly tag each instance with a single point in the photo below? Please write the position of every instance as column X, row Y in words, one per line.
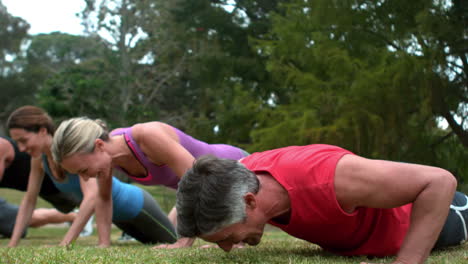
column 127, row 199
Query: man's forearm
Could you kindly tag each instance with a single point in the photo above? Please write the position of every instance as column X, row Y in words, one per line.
column 429, row 213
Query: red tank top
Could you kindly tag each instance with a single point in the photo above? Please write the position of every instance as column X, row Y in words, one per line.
column 307, row 173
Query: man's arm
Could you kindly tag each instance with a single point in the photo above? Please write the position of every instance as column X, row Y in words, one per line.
column 4, row 150
column 2, row 165
column 361, row 182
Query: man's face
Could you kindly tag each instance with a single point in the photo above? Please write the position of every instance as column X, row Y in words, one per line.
column 248, row 232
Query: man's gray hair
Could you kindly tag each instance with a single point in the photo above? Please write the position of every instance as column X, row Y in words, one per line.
column 211, row 194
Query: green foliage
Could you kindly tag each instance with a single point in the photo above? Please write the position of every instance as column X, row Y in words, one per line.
column 49, row 54
column 452, row 156
column 372, row 76
column 360, row 69
column 218, row 63
column 13, row 33
column 81, row 90
column 63, row 70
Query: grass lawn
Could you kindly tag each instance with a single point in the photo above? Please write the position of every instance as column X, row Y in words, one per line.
column 276, row 247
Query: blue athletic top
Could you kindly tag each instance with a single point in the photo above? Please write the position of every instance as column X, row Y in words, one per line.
column 127, row 199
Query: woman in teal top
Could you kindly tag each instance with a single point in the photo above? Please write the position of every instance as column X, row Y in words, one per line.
column 134, row 210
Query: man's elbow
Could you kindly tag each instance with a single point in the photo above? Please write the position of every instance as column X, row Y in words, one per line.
column 446, row 182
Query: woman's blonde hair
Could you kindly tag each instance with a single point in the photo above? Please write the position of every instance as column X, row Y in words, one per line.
column 77, row 135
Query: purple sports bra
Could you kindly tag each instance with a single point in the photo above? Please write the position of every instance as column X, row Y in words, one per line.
column 163, row 175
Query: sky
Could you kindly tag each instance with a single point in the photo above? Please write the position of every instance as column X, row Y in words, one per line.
column 45, row 16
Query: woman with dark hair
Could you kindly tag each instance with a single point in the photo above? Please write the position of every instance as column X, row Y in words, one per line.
column 14, row 173
column 134, row 210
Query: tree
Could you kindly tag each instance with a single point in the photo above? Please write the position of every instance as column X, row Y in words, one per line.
column 220, row 66
column 84, row 89
column 372, row 76
column 72, row 75
column 131, row 27
column 50, row 54
column 185, row 61
column 13, row 33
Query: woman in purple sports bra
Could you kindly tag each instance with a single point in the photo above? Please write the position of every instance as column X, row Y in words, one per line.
column 152, row 153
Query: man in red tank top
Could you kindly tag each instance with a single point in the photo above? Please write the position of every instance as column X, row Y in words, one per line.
column 324, row 194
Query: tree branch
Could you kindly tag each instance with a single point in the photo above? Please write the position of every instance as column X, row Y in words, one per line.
column 441, row 140
column 456, row 128
column 163, row 80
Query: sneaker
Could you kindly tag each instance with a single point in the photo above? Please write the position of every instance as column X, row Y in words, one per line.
column 125, row 237
column 88, row 228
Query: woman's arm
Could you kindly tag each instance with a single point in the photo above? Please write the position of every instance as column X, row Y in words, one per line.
column 87, row 206
column 28, row 203
column 161, row 145
column 104, row 209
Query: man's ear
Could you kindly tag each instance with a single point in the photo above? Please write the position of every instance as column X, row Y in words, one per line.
column 250, row 200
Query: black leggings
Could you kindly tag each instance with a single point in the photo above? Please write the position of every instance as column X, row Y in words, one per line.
column 64, row 202
column 151, row 225
column 455, row 228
